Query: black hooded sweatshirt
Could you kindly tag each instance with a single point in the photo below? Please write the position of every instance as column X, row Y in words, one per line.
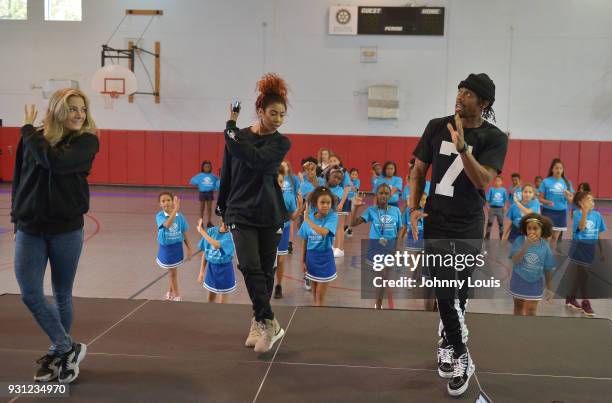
column 249, row 193
column 50, row 192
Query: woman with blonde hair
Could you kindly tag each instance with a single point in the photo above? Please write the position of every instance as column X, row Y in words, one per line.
column 50, row 196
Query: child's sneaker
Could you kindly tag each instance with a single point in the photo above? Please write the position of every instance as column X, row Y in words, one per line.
column 177, row 298
column 571, row 302
column 349, row 232
column 169, row 296
column 307, row 286
column 586, row 308
column 278, row 291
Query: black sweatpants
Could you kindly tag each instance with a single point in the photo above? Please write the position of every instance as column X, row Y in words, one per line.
column 256, row 253
column 452, row 301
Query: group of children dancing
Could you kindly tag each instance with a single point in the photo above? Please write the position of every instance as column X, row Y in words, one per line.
column 324, row 202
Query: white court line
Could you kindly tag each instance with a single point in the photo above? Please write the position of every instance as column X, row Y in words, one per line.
column 121, row 320
column 355, row 366
column 547, row 376
column 274, row 356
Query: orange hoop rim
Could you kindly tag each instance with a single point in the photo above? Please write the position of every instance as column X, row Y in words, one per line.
column 112, row 94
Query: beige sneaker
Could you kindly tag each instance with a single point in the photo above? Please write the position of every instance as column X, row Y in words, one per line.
column 254, row 334
column 271, row 333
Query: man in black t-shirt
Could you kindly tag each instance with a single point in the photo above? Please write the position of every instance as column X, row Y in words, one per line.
column 465, row 152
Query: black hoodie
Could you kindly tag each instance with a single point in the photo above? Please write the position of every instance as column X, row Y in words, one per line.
column 50, row 190
column 249, row 193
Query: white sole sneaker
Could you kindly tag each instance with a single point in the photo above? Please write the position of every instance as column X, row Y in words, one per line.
column 466, row 385
column 74, row 366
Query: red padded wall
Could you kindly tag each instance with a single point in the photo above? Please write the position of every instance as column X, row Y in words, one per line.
column 172, row 158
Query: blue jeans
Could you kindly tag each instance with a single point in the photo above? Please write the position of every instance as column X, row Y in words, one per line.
column 31, row 255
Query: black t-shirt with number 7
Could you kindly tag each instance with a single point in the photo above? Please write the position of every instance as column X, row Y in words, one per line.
column 452, row 194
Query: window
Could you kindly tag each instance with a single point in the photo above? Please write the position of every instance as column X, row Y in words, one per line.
column 13, row 9
column 63, row 10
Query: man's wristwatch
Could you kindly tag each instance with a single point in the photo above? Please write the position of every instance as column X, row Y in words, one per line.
column 464, row 149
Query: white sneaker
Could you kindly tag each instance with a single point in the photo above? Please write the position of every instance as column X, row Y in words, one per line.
column 177, row 298
column 338, row 252
column 271, row 333
column 254, row 333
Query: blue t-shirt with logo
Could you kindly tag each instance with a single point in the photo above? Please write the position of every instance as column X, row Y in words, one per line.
column 386, row 223
column 291, row 184
column 515, row 214
column 316, row 241
column 593, row 227
column 205, row 182
column 497, row 197
column 174, row 234
column 356, row 184
column 394, row 181
column 406, row 192
column 218, row 256
column 308, row 187
column 290, row 205
column 553, row 190
column 537, row 259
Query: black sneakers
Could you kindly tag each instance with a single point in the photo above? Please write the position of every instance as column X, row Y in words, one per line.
column 49, row 368
column 463, row 368
column 445, row 359
column 278, row 291
column 69, row 362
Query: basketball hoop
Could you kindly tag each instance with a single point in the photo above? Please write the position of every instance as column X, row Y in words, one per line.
column 114, row 81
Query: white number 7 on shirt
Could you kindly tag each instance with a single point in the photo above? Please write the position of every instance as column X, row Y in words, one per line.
column 445, row 187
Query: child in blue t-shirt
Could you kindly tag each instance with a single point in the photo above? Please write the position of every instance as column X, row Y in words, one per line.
column 515, row 188
column 555, row 193
column 389, row 176
column 293, row 204
column 291, row 185
column 533, row 263
column 496, row 199
column 207, row 183
column 171, row 233
column 217, row 246
column 334, row 177
column 310, row 181
column 588, row 224
column 317, row 232
column 376, row 173
column 385, row 228
column 527, row 204
column 354, row 186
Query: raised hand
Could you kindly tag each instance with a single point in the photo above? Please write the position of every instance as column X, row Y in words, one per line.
column 177, row 203
column 30, row 115
column 234, row 111
column 457, row 134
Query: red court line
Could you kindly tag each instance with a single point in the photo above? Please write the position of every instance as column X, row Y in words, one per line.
column 9, row 265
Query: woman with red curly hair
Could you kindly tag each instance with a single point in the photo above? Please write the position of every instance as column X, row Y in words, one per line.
column 251, row 202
